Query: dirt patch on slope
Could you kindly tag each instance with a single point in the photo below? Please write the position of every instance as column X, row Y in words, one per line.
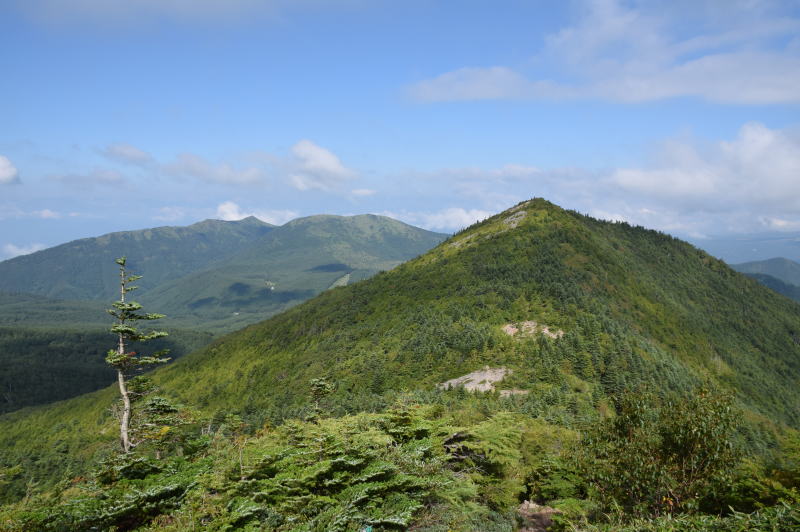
column 529, row 328
column 514, row 220
column 482, row 380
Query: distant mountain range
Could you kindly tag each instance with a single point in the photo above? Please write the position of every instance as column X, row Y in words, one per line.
column 84, row 269
column 220, row 275
column 783, row 269
column 736, row 249
column 211, row 277
column 779, row 274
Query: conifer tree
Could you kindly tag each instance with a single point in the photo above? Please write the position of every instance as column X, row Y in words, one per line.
column 124, row 361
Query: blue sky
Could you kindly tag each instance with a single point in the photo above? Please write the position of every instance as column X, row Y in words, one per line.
column 123, row 114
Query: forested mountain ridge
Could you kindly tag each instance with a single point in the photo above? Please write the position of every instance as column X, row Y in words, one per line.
column 572, row 312
column 84, row 269
column 217, row 276
column 791, row 291
column 288, row 265
column 642, row 297
column 783, row 269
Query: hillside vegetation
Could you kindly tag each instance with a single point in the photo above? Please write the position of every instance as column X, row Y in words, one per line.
column 666, row 387
column 290, row 264
column 209, row 278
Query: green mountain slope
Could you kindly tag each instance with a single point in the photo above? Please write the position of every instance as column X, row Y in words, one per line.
column 635, row 306
column 288, row 265
column 623, row 307
column 84, row 269
column 785, row 270
column 255, row 274
column 789, row 290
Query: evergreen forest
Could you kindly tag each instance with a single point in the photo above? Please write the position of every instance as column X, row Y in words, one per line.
column 539, row 370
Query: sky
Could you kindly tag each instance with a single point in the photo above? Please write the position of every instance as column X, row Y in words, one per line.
column 681, row 116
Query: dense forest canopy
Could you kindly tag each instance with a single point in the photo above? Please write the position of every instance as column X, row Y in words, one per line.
column 636, row 382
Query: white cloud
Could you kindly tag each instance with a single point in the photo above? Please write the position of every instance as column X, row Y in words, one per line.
column 691, row 187
column 170, row 214
column 46, row 214
column 196, row 167
column 492, row 83
column 363, row 192
column 98, row 176
column 230, row 211
column 127, row 154
column 8, row 172
column 759, row 170
column 131, row 11
column 642, row 53
column 11, row 251
column 779, row 224
column 314, row 167
column 449, row 219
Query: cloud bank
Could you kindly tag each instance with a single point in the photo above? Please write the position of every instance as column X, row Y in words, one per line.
column 640, row 53
column 8, row 172
column 230, row 211
column 314, row 167
column 10, row 250
column 127, row 154
column 745, row 184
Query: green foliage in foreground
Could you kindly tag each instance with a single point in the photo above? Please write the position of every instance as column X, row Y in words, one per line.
column 387, row 471
column 655, row 458
column 414, row 466
column 780, row 518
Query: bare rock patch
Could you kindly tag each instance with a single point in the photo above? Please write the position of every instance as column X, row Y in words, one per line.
column 514, row 220
column 482, row 380
column 529, row 328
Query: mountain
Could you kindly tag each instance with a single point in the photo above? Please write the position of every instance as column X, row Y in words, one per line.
column 85, row 270
column 288, row 265
column 785, row 270
column 220, row 276
column 634, row 305
column 216, row 277
column 789, row 290
column 556, row 311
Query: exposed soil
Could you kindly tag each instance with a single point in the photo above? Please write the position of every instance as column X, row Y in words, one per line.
column 529, row 328
column 514, row 220
column 481, row 380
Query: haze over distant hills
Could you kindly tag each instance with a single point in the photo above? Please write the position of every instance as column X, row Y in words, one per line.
column 735, row 249
column 779, row 274
column 781, row 268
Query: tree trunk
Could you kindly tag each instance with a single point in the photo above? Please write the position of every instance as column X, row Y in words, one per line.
column 124, row 437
